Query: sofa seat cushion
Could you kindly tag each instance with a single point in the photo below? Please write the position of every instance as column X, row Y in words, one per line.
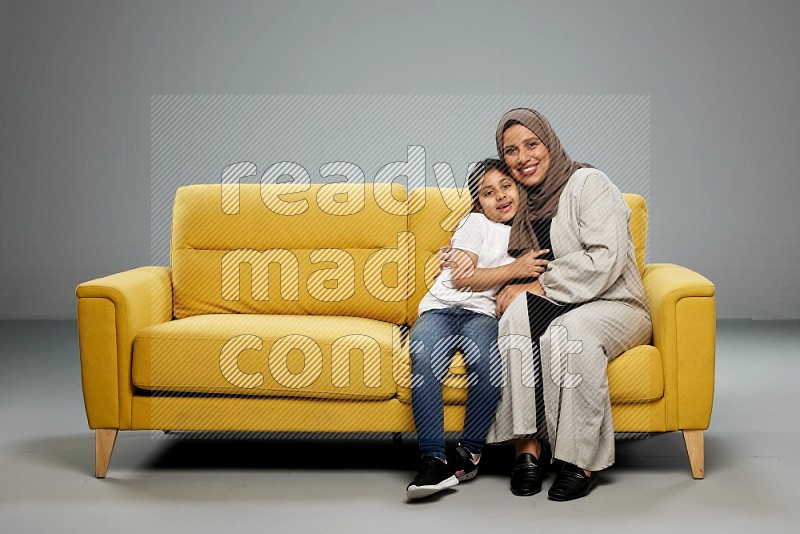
column 634, row 376
column 267, row 355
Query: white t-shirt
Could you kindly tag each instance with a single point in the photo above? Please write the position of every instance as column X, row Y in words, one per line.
column 487, row 239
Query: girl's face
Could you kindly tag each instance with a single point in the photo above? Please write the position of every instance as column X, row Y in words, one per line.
column 498, row 196
column 525, row 154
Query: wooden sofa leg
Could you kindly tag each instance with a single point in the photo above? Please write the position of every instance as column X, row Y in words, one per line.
column 694, row 446
column 104, row 439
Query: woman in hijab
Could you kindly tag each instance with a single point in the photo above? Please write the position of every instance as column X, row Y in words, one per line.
column 559, row 331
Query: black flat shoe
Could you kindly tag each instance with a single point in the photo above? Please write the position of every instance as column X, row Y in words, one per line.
column 571, row 483
column 528, row 473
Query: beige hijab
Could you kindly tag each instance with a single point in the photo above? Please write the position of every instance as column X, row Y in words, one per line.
column 542, row 200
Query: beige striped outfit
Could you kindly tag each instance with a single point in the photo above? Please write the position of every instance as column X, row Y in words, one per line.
column 595, row 267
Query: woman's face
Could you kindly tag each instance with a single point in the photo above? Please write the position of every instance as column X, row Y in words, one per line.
column 525, row 154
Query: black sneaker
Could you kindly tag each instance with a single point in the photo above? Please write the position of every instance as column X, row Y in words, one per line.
column 460, row 460
column 434, row 476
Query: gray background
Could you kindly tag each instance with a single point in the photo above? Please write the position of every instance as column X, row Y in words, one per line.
column 195, row 137
column 78, row 77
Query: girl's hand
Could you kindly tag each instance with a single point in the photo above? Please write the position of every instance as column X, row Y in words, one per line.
column 445, row 258
column 506, row 296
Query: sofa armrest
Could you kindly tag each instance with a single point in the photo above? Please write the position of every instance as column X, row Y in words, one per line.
column 683, row 310
column 111, row 310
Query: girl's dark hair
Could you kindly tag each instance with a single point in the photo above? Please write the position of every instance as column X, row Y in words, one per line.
column 478, row 172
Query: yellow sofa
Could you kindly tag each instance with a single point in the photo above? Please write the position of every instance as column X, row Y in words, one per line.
column 286, row 309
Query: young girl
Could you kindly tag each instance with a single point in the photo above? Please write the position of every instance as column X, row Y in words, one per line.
column 458, row 314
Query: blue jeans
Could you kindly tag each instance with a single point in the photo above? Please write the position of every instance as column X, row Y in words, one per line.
column 435, row 338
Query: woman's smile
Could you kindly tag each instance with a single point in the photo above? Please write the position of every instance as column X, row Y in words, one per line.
column 528, row 170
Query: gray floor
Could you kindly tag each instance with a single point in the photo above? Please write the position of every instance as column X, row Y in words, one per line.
column 303, row 485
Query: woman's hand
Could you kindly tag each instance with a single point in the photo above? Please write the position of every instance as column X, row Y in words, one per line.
column 506, row 296
column 529, row 265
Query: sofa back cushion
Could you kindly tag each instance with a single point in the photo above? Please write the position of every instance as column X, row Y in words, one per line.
column 433, row 225
column 289, row 249
column 638, row 224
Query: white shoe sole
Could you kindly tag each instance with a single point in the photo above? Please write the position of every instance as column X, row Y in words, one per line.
column 468, row 476
column 419, row 492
